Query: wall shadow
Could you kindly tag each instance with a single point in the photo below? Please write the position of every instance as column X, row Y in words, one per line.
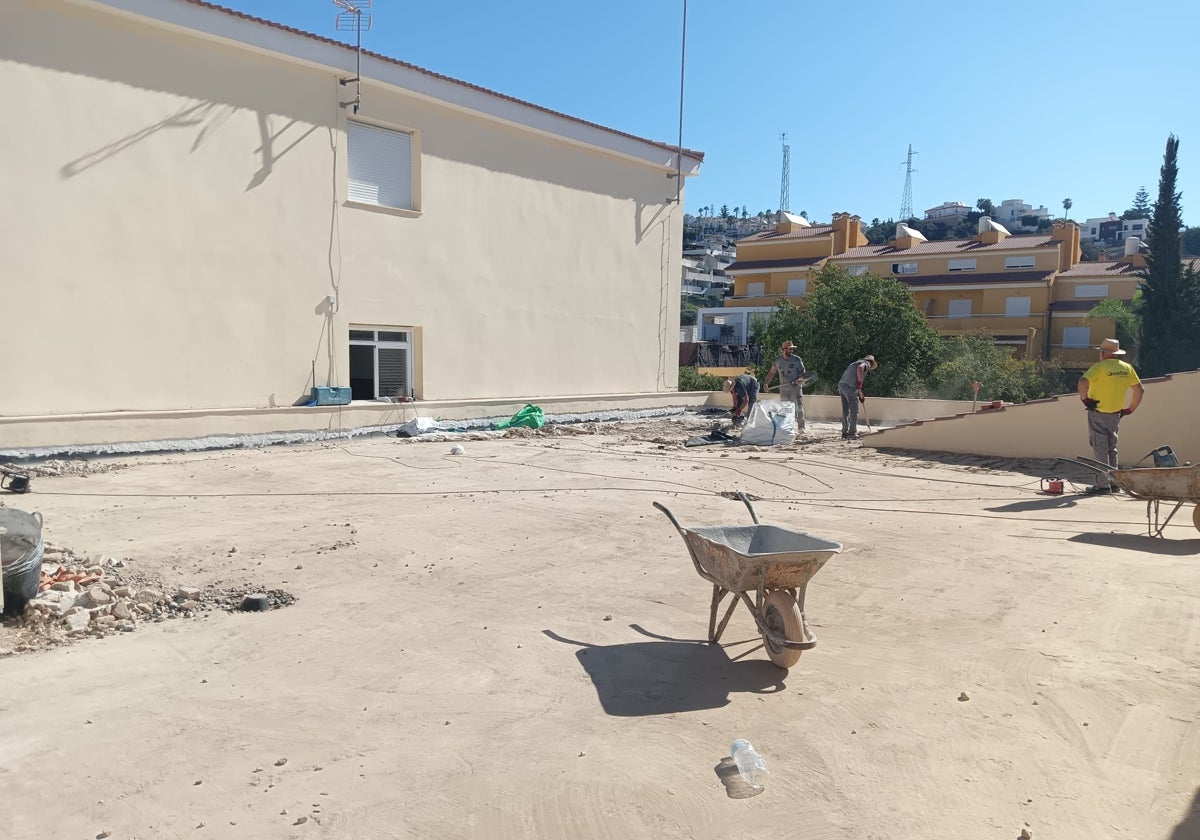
column 641, row 679
column 1141, row 542
column 1189, row 826
column 225, row 79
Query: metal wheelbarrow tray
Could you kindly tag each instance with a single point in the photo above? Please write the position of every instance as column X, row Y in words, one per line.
column 1155, row 485
column 774, row 563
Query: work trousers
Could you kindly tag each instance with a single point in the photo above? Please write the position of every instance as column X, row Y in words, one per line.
column 1102, row 435
column 849, row 409
column 795, row 395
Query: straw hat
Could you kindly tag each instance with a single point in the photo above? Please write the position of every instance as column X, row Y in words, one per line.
column 1111, row 345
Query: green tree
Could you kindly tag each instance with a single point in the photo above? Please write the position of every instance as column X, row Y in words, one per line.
column 688, row 313
column 966, row 359
column 1191, row 242
column 1067, row 204
column 691, row 379
column 1141, row 207
column 847, row 317
column 725, row 213
column 1030, row 220
column 986, row 207
column 1127, row 322
column 1090, row 252
column 1169, row 291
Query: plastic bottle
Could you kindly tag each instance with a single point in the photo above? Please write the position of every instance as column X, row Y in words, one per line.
column 749, row 763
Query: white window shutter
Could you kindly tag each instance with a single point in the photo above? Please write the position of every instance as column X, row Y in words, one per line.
column 380, row 166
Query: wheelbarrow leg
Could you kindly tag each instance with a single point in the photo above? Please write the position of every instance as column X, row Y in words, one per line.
column 715, row 630
column 1156, row 530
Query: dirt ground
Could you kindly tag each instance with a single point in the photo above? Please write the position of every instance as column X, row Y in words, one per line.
column 509, row 644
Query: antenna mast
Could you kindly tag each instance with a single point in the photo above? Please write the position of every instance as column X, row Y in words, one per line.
column 906, row 207
column 353, row 18
column 785, row 182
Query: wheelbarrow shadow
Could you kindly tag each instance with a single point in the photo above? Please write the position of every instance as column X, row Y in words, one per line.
column 1141, row 542
column 668, row 676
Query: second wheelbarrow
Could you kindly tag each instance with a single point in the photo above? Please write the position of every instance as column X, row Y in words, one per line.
column 774, row 563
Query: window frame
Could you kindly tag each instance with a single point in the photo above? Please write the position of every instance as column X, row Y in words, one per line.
column 900, row 268
column 1086, row 343
column 760, row 285
column 1031, row 260
column 858, row 270
column 414, row 136
column 1100, row 295
column 965, row 265
column 803, row 281
column 950, row 308
column 386, row 344
column 1028, row 308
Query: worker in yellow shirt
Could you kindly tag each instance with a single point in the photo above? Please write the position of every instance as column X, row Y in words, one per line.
column 1102, row 389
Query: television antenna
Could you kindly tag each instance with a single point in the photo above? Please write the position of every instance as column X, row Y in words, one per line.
column 355, row 18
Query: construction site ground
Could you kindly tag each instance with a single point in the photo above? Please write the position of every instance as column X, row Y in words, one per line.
column 509, row 643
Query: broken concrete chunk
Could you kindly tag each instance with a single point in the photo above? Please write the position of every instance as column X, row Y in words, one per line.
column 187, row 593
column 78, row 620
column 148, row 596
column 97, row 596
column 122, row 609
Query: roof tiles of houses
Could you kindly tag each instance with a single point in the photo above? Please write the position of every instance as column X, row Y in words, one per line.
column 1101, row 269
column 948, row 247
column 772, row 235
column 350, row 48
column 967, row 278
column 799, row 262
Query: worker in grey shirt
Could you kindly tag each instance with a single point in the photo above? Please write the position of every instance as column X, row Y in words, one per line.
column 790, row 369
column 744, row 389
column 850, row 387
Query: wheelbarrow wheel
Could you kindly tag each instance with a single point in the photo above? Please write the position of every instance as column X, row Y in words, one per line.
column 782, row 615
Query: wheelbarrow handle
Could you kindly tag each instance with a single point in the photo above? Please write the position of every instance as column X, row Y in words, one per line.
column 670, row 516
column 746, row 500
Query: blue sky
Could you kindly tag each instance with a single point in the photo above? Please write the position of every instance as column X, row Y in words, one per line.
column 1038, row 101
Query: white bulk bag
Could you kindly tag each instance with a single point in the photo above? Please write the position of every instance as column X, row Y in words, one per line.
column 771, row 423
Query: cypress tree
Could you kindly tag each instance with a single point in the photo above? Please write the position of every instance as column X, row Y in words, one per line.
column 1169, row 298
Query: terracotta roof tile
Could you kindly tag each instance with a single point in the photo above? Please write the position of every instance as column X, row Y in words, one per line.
column 349, row 48
column 970, row 278
column 798, row 262
column 949, row 246
column 771, row 235
column 1101, row 269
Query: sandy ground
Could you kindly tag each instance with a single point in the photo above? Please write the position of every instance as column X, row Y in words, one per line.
column 507, row 644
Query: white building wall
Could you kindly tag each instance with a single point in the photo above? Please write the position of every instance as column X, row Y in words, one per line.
column 177, row 218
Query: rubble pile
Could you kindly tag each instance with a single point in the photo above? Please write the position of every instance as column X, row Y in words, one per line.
column 80, row 598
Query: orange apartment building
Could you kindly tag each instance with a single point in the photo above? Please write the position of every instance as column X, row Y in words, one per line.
column 1027, row 291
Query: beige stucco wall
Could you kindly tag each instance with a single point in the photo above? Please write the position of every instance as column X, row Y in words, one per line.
column 176, row 219
column 1058, row 427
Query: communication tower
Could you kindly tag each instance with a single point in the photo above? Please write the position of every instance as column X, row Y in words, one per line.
column 906, row 206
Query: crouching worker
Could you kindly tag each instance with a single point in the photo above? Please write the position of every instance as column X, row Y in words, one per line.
column 745, row 394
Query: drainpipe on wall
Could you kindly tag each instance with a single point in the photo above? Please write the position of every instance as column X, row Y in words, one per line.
column 1049, row 319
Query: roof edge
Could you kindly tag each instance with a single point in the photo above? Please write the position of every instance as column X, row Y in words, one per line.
column 211, row 20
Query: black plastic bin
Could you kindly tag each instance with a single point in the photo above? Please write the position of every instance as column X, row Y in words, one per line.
column 21, row 550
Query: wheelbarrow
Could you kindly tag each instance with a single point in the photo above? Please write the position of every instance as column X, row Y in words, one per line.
column 1155, row 485
column 774, row 563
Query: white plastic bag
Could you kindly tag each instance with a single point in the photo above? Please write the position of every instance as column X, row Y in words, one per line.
column 771, row 423
column 419, row 426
